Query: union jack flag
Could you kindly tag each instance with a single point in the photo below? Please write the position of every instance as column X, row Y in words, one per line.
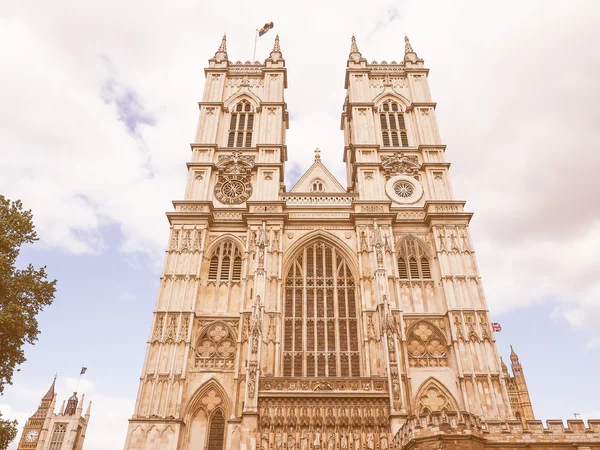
column 496, row 327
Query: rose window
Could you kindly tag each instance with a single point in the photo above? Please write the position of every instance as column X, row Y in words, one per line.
column 233, row 188
column 404, row 189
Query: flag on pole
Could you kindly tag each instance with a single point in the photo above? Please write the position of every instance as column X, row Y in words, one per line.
column 83, row 369
column 266, row 27
column 496, row 327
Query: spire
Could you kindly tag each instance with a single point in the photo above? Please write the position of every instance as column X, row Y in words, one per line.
column 62, row 408
column 513, row 355
column 89, row 410
column 275, row 54
column 409, row 53
column 354, row 47
column 223, row 46
column 221, row 54
column 355, row 54
column 504, row 368
column 50, row 394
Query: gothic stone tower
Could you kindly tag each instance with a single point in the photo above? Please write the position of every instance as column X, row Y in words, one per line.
column 46, row 430
column 323, row 317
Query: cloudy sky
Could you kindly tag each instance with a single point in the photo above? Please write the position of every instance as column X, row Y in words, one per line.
column 99, row 105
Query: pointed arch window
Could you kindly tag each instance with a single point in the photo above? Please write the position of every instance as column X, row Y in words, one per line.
column 225, row 263
column 58, row 436
column 216, row 431
column 241, row 125
column 413, row 263
column 320, row 320
column 393, row 125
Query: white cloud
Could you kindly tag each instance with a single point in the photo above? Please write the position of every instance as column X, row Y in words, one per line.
column 515, row 82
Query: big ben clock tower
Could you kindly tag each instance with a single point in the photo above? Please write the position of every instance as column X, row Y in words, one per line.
column 46, row 430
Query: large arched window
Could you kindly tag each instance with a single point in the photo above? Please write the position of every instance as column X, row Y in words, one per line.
column 225, row 263
column 413, row 263
column 240, row 127
column 320, row 319
column 393, row 126
column 58, row 436
column 216, row 431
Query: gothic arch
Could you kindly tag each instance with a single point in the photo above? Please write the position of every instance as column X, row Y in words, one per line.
column 205, row 398
column 239, row 96
column 420, row 242
column 395, row 96
column 321, row 300
column 210, row 248
column 209, row 402
column 327, row 237
column 433, row 396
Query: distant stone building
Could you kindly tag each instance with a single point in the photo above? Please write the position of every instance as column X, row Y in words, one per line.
column 47, row 430
column 324, row 317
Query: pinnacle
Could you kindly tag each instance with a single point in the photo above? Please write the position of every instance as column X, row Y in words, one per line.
column 276, row 47
column 354, row 47
column 223, row 46
column 407, row 47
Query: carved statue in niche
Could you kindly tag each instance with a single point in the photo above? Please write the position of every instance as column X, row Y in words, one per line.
column 291, row 440
column 356, row 439
column 279, row 441
column 265, row 441
column 370, row 441
column 384, row 443
column 364, row 246
column 275, row 243
column 304, row 440
column 317, row 439
column 331, row 441
column 344, row 440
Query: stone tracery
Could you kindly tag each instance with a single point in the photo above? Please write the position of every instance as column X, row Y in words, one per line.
column 216, row 347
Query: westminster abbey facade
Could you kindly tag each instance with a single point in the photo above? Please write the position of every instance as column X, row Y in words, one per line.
column 324, row 317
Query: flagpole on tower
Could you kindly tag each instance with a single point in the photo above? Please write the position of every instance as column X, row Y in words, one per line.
column 255, row 39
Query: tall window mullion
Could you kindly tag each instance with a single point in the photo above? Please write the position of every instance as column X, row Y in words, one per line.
column 327, row 317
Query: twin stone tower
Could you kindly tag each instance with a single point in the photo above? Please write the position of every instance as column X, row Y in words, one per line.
column 325, row 318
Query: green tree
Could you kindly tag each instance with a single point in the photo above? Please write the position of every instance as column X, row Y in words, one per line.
column 8, row 431
column 23, row 294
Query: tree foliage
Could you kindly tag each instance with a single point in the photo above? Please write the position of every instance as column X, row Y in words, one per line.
column 8, row 431
column 23, row 294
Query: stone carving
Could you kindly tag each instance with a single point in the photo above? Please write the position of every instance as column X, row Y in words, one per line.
column 211, row 400
column 372, row 208
column 304, row 440
column 158, row 328
column 298, row 200
column 252, row 380
column 317, row 439
column 426, row 346
column 216, row 347
column 400, row 164
column 326, row 384
column 174, row 244
column 233, row 182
